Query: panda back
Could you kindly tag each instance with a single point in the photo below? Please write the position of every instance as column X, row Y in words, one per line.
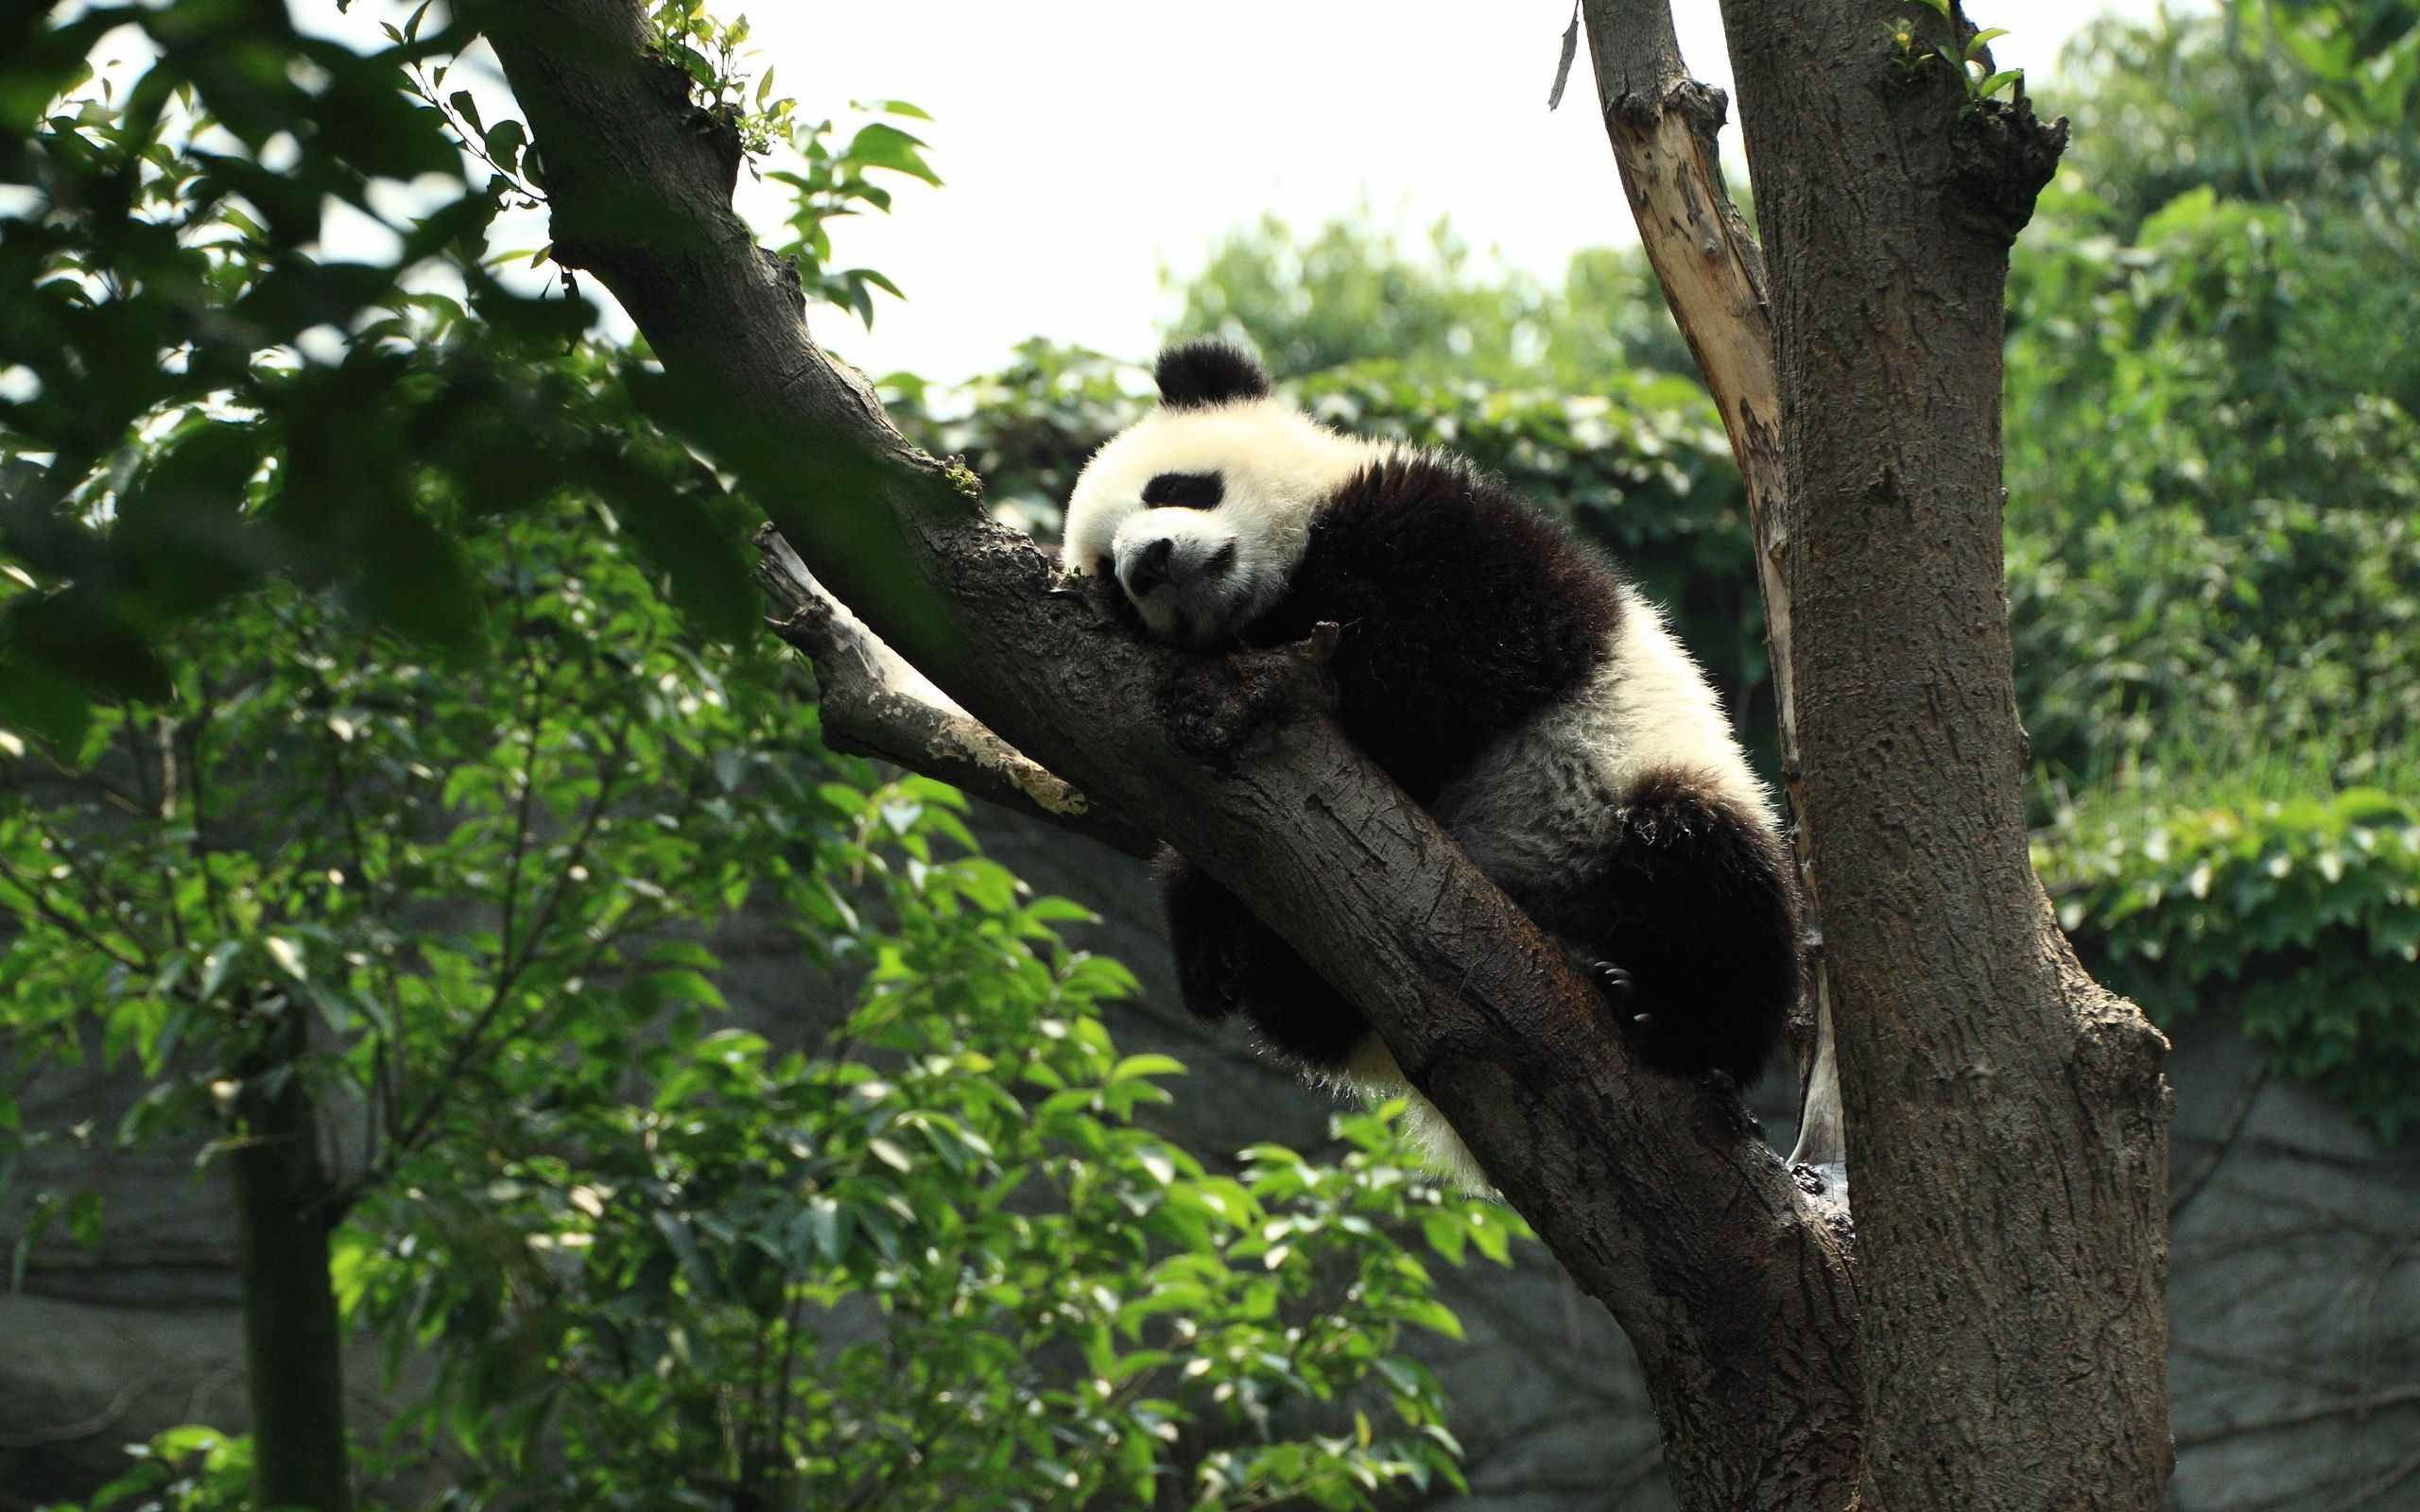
column 1464, row 611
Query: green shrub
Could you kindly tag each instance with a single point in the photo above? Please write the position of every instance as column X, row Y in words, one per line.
column 2300, row 917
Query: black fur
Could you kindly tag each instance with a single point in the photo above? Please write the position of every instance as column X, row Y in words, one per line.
column 1464, row 612
column 1186, row 490
column 1698, row 903
column 1228, row 962
column 1198, row 374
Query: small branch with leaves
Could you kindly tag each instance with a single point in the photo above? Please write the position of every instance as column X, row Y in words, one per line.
column 875, row 703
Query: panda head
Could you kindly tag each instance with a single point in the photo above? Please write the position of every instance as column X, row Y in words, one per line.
column 1199, row 513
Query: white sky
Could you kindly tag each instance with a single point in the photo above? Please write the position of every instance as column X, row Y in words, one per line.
column 1086, row 144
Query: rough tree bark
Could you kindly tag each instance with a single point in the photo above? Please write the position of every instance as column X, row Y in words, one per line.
column 2007, row 1120
column 2007, row 1117
column 1660, row 1198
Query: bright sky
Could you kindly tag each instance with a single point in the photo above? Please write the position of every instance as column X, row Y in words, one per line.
column 1086, row 144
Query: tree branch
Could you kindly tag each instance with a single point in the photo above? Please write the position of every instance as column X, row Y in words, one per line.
column 1659, row 1196
column 1664, row 128
column 2231, row 1129
column 2350, row 1406
column 874, row 704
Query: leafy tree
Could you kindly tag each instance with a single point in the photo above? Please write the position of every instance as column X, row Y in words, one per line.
column 1345, row 293
column 384, row 730
column 1762, row 1378
column 2300, row 917
column 2211, row 470
column 932, row 1262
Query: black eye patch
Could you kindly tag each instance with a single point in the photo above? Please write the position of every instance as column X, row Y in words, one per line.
column 1185, row 491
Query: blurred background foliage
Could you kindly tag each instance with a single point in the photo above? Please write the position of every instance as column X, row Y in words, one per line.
column 386, row 732
column 2213, row 527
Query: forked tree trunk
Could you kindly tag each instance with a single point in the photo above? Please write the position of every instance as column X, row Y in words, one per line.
column 2007, row 1120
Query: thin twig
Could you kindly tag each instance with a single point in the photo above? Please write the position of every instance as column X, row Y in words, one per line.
column 2231, row 1130
column 75, row 927
column 2295, row 1417
column 509, row 970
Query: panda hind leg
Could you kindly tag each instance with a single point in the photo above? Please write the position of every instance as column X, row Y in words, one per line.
column 1230, row 964
column 1687, row 922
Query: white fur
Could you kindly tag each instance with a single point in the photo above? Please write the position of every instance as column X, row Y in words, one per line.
column 1545, row 796
column 1372, row 1071
column 1548, row 793
column 1277, row 466
column 1536, row 803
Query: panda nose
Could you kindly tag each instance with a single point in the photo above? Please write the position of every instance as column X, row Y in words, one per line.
column 1149, row 568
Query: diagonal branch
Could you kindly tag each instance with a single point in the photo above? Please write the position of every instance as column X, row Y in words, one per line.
column 1660, row 1196
column 874, row 704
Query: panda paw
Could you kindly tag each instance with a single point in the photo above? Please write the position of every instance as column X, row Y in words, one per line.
column 1619, row 989
column 1613, row 981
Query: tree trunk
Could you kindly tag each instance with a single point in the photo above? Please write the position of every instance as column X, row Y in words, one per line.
column 2006, row 1118
column 293, row 1354
column 2007, row 1122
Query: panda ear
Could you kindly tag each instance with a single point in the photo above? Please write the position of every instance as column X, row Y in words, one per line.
column 1196, row 374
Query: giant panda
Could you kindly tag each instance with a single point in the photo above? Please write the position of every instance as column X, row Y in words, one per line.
column 1520, row 690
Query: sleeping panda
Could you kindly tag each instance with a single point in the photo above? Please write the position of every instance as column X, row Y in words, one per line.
column 1514, row 684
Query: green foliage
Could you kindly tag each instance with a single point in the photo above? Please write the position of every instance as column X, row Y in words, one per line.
column 824, row 183
column 372, row 663
column 163, row 285
column 2212, row 453
column 930, row 1261
column 439, row 869
column 829, row 182
column 191, row 1468
column 195, row 401
column 2301, row 916
column 1909, row 56
column 1347, row 294
column 936, row 1260
column 2304, row 104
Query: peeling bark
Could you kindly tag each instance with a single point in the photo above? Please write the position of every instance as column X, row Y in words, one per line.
column 2010, row 1120
column 1665, row 126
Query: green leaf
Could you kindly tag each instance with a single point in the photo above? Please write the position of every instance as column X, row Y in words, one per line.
column 505, row 141
column 879, row 145
column 1433, row 1316
column 1146, row 1065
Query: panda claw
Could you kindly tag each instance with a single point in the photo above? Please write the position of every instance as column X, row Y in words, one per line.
column 1614, row 980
